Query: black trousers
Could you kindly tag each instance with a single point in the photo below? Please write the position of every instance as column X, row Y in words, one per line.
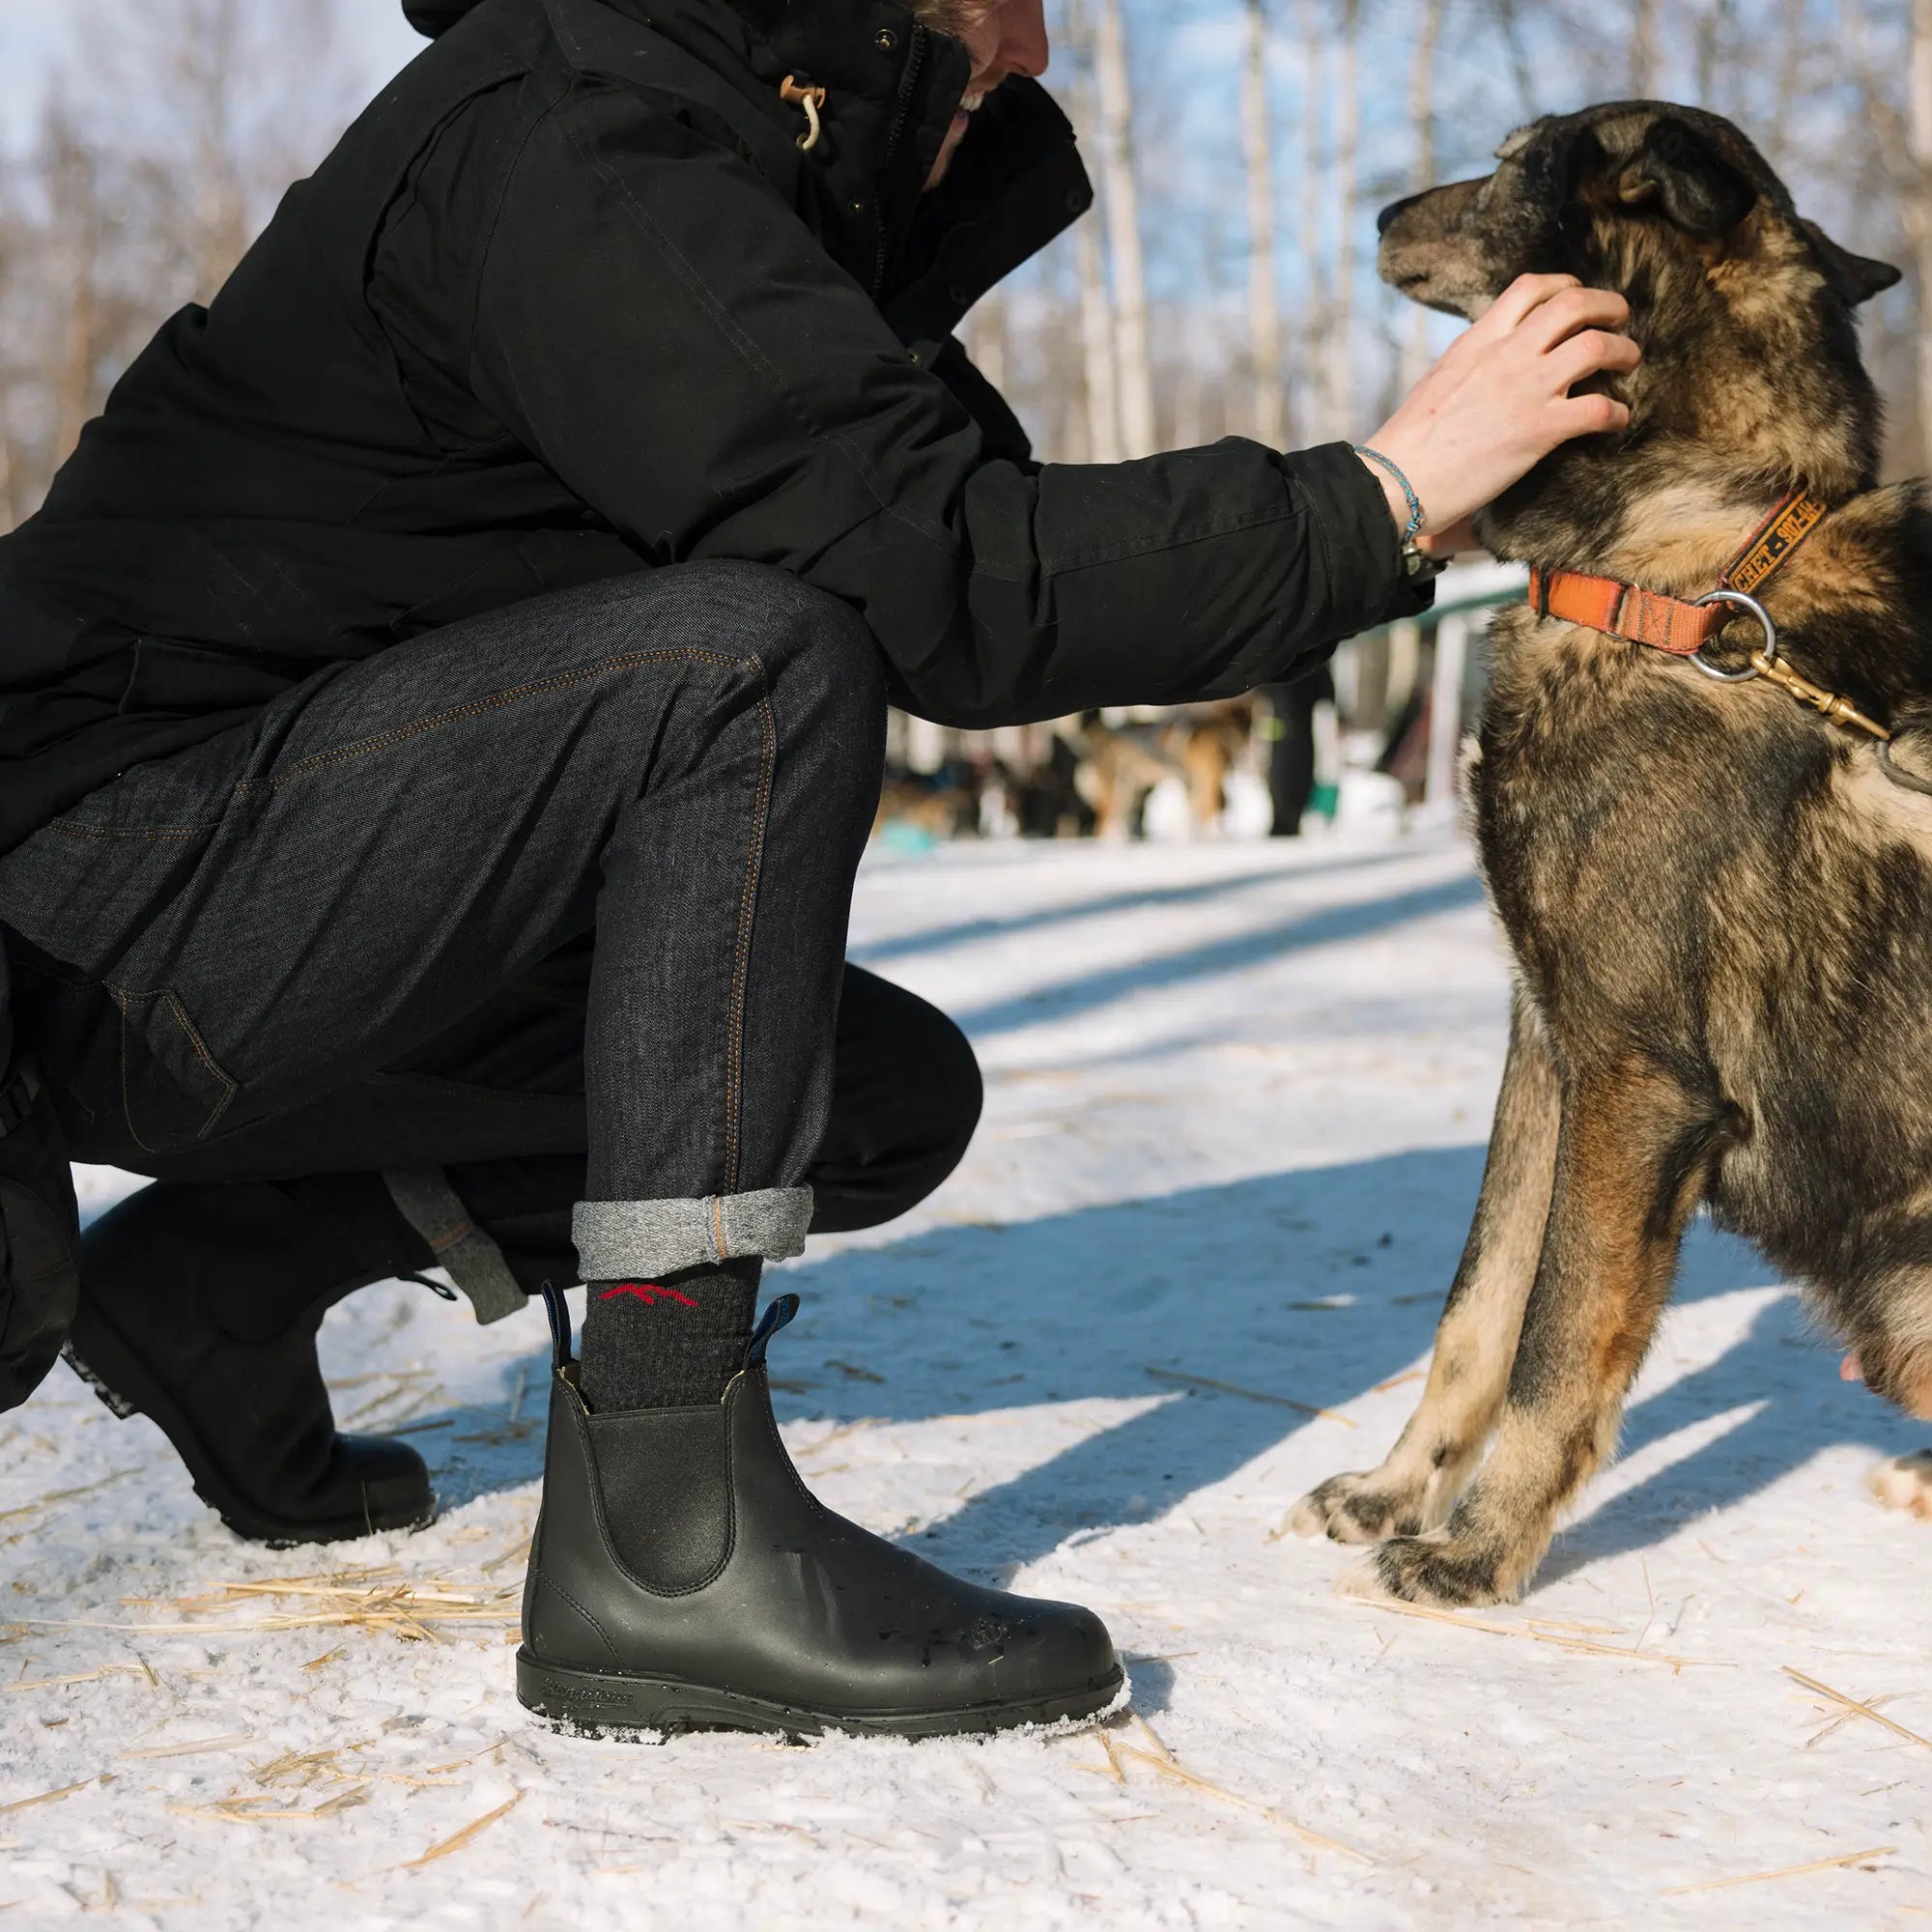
column 905, row 1100
column 542, row 917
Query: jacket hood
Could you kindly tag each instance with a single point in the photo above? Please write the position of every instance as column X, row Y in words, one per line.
column 435, row 16
column 925, row 258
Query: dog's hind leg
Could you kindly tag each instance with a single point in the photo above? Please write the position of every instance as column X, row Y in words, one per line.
column 1633, row 1160
column 1475, row 1343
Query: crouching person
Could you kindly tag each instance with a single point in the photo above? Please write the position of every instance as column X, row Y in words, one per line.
column 443, row 701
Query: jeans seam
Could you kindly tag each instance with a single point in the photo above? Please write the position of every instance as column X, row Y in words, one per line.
column 734, row 1043
column 127, row 832
column 434, row 721
column 229, row 1088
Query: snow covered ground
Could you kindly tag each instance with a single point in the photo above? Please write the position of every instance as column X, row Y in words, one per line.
column 1237, row 1102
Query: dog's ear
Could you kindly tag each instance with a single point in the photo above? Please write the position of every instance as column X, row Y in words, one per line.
column 1855, row 277
column 1680, row 172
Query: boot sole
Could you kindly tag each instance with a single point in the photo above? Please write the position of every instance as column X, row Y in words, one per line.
column 109, row 1366
column 600, row 1704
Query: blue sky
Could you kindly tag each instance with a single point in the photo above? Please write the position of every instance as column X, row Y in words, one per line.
column 37, row 35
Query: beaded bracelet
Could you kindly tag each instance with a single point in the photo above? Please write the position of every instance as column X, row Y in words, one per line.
column 1369, row 455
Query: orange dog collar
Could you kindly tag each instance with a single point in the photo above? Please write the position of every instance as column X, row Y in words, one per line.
column 1675, row 624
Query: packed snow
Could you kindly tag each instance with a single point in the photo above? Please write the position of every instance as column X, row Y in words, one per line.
column 1237, row 1099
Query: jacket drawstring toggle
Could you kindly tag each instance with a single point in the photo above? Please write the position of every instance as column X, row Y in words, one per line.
column 812, row 98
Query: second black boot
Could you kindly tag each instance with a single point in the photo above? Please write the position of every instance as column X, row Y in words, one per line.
column 682, row 1578
column 199, row 1308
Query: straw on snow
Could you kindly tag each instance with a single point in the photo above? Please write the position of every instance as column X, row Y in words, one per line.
column 54, row 1497
column 1536, row 1633
column 456, row 1841
column 47, row 1797
column 1854, row 1707
column 379, row 1597
column 1250, row 1395
column 1784, row 1871
column 1165, row 1764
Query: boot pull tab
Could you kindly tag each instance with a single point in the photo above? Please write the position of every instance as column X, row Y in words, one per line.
column 558, row 1311
column 775, row 1317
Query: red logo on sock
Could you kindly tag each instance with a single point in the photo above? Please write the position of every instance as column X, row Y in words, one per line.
column 647, row 1292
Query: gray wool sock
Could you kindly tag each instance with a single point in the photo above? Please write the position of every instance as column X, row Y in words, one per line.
column 669, row 1340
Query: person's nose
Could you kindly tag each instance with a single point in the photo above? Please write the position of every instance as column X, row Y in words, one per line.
column 1024, row 46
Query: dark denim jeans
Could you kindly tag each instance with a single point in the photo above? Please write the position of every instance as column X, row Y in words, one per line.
column 554, row 898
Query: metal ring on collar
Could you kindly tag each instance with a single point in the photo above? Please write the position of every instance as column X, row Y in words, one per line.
column 1758, row 611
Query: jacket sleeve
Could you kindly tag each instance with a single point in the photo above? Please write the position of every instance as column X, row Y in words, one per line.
column 1001, row 433
column 668, row 336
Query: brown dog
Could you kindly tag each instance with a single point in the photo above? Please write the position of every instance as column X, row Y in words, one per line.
column 1121, row 765
column 1718, row 900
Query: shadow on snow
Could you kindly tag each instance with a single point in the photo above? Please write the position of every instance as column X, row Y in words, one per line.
column 978, row 1320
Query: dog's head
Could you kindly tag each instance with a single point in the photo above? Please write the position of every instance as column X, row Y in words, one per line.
column 1744, row 308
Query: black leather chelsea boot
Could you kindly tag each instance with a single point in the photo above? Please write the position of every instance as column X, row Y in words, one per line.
column 199, row 1308
column 682, row 1578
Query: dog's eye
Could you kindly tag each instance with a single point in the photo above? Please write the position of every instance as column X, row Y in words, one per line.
column 1516, row 143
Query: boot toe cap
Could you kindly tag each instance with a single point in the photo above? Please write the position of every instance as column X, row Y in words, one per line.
column 1053, row 1650
column 386, row 1481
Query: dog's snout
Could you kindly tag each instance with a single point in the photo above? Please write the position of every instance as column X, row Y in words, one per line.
column 1387, row 216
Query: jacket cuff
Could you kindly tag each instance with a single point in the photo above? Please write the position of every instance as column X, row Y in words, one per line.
column 1350, row 517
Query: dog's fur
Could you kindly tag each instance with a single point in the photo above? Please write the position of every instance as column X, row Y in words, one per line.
column 1197, row 744
column 1720, row 906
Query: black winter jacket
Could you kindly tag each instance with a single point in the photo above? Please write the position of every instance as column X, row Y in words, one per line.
column 568, row 300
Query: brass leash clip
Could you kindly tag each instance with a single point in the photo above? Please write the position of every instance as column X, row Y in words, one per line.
column 1839, row 710
column 1766, row 663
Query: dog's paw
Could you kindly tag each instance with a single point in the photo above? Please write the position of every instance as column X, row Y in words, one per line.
column 1904, row 1482
column 1448, row 1572
column 1356, row 1509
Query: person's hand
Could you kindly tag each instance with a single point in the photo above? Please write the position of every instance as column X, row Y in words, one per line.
column 1498, row 400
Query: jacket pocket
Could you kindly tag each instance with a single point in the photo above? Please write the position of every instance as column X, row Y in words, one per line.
column 173, row 1091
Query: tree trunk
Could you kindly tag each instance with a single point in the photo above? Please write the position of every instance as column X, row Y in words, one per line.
column 1270, row 415
column 1314, row 332
column 1133, row 369
column 1097, row 334
column 988, row 344
column 1100, row 372
column 74, row 203
column 1348, row 154
column 1643, row 50
column 1790, row 73
column 1422, row 114
column 1919, row 218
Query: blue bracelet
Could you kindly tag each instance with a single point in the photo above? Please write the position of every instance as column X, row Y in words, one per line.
column 1363, row 450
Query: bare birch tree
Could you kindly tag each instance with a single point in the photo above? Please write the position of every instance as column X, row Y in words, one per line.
column 1341, row 359
column 1644, row 52
column 1903, row 132
column 1269, row 422
column 1133, row 367
column 1313, row 335
column 1422, row 118
column 1099, row 370
column 1915, row 196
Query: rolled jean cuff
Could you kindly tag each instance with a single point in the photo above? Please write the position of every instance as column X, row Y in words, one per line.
column 626, row 1238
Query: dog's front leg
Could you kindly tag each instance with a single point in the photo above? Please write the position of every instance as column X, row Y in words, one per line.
column 1631, row 1162
column 1475, row 1343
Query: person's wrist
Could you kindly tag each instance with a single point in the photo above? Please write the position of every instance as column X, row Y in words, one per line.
column 1409, row 510
column 1398, row 503
column 1415, row 563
